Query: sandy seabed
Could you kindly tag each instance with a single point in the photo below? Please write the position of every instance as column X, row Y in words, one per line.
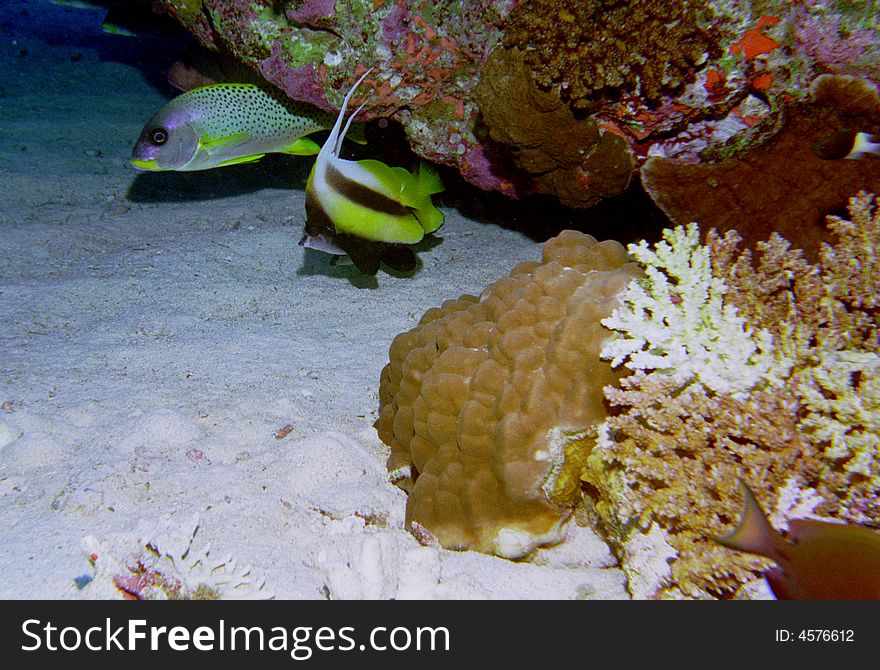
column 175, row 371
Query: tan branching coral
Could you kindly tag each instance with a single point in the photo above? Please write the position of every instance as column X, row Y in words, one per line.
column 781, row 185
column 829, row 321
column 476, row 397
column 565, row 156
column 586, row 47
column 672, row 458
column 798, row 410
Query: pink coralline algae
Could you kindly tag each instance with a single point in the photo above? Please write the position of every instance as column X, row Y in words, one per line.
column 748, row 60
column 314, row 13
column 843, row 44
column 427, row 59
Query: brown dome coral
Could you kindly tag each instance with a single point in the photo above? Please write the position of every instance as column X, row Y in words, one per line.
column 564, row 156
column 472, row 395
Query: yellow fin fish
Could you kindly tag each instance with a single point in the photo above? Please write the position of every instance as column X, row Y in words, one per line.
column 365, row 208
column 227, row 124
column 824, row 561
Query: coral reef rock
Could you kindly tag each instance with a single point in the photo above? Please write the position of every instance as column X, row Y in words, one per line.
column 782, row 184
column 427, row 58
column 670, row 77
column 475, row 399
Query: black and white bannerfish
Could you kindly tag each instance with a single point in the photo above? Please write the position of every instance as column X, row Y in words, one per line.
column 366, row 209
column 847, row 144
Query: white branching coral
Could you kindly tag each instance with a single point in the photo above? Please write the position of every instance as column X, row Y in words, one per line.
column 853, row 261
column 842, row 398
column 794, row 502
column 676, row 321
column 158, row 562
column 649, row 569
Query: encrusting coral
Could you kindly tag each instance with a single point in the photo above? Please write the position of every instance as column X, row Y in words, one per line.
column 782, row 184
column 565, row 156
column 473, row 398
column 647, row 46
column 773, row 378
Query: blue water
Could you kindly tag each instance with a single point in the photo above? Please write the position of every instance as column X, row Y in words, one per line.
column 30, row 26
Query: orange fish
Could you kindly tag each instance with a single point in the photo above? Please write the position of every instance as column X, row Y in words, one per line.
column 824, row 561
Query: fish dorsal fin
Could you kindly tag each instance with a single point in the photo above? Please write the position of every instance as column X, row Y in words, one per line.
column 331, row 146
column 347, row 126
column 391, row 181
column 755, row 534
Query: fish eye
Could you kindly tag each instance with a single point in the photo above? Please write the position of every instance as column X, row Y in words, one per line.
column 158, row 136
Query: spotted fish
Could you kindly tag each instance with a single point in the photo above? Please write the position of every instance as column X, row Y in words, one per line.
column 226, row 124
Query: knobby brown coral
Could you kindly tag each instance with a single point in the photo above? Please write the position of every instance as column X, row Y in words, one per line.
column 586, row 47
column 472, row 395
column 781, row 185
column 564, row 156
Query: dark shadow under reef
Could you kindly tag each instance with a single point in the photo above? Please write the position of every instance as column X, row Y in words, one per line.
column 628, row 217
column 274, row 171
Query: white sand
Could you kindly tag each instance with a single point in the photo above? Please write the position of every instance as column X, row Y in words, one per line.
column 151, row 347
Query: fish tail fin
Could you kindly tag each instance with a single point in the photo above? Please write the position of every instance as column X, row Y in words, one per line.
column 416, row 191
column 428, row 180
column 415, row 187
column 755, row 534
column 428, row 183
column 357, row 133
column 429, row 216
column 864, row 144
column 872, row 144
